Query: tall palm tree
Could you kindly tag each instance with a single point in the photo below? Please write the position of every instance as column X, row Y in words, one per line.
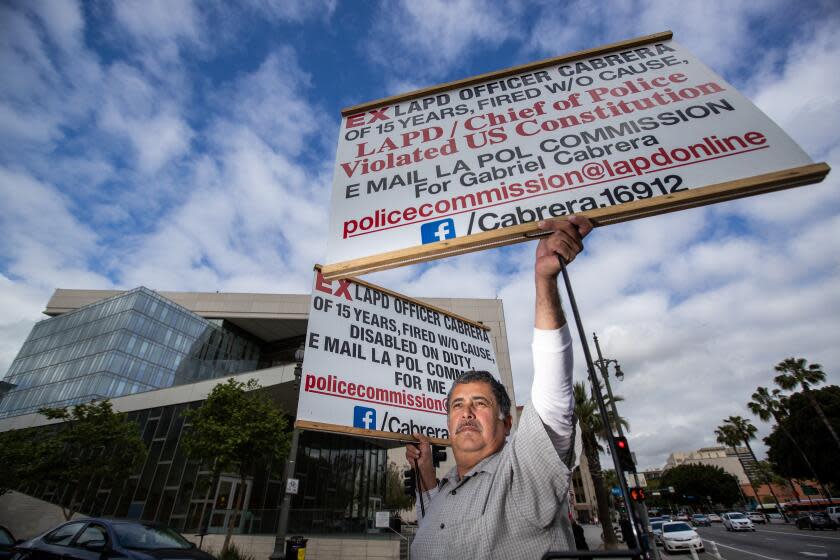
column 743, row 429
column 766, row 404
column 729, row 436
column 591, row 430
column 795, row 372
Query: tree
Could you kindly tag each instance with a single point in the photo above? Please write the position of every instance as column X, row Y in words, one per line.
column 765, row 405
column 736, row 427
column 236, row 430
column 592, row 428
column 795, row 372
column 17, row 449
column 700, row 481
column 92, row 443
column 395, row 496
column 817, row 444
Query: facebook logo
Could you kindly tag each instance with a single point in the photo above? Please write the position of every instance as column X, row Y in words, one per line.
column 364, row 417
column 437, row 231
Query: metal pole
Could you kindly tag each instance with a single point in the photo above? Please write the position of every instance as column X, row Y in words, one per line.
column 602, row 408
column 283, row 526
column 602, row 365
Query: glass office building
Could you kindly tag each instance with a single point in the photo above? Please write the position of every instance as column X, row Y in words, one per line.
column 157, row 355
column 342, row 484
column 133, row 342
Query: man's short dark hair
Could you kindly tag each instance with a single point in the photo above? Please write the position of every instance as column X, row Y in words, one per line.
column 499, row 391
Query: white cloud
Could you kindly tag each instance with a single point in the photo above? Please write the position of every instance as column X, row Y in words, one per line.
column 429, row 38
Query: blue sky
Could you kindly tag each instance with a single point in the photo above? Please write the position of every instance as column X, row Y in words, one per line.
column 189, row 146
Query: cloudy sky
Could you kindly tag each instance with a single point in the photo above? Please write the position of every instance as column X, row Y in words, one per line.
column 189, row 146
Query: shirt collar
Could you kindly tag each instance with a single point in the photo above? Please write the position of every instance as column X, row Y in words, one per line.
column 488, row 464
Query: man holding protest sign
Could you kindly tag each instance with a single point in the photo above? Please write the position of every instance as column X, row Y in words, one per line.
column 509, row 499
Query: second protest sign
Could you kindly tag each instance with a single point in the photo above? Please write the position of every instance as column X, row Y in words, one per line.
column 380, row 363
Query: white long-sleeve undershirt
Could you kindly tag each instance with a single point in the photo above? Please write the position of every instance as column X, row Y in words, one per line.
column 552, row 389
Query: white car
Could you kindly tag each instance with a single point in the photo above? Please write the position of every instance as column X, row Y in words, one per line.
column 736, row 521
column 757, row 517
column 679, row 535
column 715, row 518
column 656, row 529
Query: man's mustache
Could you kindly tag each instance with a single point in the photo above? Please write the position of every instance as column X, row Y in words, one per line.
column 468, row 424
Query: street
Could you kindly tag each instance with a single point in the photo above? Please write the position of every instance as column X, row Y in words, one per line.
column 773, row 542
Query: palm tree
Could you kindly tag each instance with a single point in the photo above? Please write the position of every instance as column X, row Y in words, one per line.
column 741, row 429
column 795, row 372
column 766, row 404
column 591, row 430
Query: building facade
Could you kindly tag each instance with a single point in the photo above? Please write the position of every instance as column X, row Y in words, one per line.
column 156, row 355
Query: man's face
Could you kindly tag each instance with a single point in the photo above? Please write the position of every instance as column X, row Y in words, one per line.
column 475, row 429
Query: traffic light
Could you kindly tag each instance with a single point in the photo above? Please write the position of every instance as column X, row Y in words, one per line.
column 410, row 483
column 438, row 455
column 625, row 458
column 637, row 494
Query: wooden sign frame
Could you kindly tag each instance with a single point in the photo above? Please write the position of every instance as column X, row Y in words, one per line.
column 701, row 196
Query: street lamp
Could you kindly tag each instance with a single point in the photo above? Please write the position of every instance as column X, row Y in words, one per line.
column 603, row 366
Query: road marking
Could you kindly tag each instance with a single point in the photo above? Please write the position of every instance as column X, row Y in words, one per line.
column 817, row 554
column 815, row 545
column 806, row 535
column 748, row 552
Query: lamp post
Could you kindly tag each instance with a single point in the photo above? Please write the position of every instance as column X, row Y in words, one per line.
column 283, row 524
column 603, row 366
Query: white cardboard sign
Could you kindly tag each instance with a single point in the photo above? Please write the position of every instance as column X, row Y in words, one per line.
column 378, row 361
column 629, row 125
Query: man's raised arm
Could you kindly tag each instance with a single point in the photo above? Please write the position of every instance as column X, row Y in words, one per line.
column 552, row 389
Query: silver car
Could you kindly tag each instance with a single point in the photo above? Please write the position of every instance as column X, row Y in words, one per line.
column 736, row 521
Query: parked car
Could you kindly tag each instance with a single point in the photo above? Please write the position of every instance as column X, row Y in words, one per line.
column 737, row 521
column 92, row 539
column 815, row 520
column 7, row 541
column 656, row 529
column 700, row 520
column 683, row 516
column 757, row 517
column 834, row 513
column 715, row 518
column 679, row 535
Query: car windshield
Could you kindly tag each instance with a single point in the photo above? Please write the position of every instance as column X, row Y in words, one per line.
column 675, row 527
column 148, row 537
column 698, row 516
column 656, row 525
column 736, row 516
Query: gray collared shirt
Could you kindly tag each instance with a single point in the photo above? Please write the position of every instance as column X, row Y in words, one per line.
column 513, row 504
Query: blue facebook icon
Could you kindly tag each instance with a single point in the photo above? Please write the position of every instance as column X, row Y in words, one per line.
column 364, row 417
column 437, row 231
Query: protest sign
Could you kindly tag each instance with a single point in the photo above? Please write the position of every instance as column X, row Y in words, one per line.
column 381, row 364
column 628, row 130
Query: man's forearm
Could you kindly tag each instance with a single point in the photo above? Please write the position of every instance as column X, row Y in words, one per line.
column 549, row 313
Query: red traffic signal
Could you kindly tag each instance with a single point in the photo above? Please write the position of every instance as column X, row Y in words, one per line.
column 637, row 494
column 625, row 458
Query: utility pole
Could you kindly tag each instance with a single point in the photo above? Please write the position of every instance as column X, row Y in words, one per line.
column 283, row 524
column 603, row 366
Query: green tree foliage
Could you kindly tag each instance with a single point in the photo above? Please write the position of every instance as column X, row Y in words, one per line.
column 796, row 372
column 17, row 449
column 592, row 428
column 92, row 444
column 700, row 481
column 806, row 428
column 236, row 430
column 395, row 496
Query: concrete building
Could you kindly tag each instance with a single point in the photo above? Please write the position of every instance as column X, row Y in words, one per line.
column 158, row 354
column 729, row 459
